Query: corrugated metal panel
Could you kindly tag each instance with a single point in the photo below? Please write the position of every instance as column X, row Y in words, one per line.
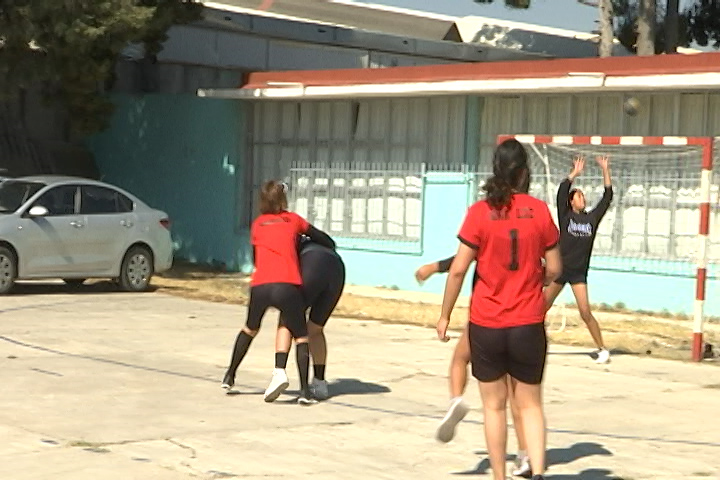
column 689, row 114
column 360, row 134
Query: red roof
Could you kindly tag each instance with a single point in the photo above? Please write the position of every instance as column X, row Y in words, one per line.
column 613, row 66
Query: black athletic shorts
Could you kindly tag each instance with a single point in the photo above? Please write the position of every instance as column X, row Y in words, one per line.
column 517, row 351
column 572, row 277
column 287, row 298
column 323, row 276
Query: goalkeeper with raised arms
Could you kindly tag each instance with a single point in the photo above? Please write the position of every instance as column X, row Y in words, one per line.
column 578, row 229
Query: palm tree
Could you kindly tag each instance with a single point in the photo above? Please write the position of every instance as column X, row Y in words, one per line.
column 606, row 28
column 646, row 27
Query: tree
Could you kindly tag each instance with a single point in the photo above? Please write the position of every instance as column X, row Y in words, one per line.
column 672, row 26
column 703, row 20
column 607, row 35
column 70, row 47
column 646, row 21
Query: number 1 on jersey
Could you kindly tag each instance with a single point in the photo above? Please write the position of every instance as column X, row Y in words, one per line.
column 513, row 250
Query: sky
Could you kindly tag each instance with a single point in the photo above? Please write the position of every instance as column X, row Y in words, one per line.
column 567, row 14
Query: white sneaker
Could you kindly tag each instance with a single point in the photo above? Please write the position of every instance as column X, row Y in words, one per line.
column 522, row 467
column 278, row 384
column 457, row 411
column 319, row 389
column 603, row 356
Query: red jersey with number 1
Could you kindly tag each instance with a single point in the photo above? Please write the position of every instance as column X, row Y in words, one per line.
column 274, row 238
column 510, row 244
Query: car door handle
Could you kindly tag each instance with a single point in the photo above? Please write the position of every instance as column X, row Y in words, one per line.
column 77, row 224
column 126, row 223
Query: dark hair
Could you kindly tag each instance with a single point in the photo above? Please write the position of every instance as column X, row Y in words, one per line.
column 571, row 195
column 272, row 197
column 510, row 173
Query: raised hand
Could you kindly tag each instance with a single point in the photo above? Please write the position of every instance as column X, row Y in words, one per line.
column 603, row 161
column 578, row 166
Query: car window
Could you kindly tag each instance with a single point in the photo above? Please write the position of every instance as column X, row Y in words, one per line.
column 59, row 200
column 99, row 200
column 125, row 205
column 13, row 194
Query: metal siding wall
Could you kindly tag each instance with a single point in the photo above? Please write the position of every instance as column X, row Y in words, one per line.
column 376, row 131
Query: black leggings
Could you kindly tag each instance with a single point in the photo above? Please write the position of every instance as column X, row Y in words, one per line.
column 323, row 276
column 287, row 298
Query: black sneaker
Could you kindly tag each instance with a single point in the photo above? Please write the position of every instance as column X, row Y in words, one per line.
column 538, row 477
column 228, row 381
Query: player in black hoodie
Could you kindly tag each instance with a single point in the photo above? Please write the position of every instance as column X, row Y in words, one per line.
column 577, row 236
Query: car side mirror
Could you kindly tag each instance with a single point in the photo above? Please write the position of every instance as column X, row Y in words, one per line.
column 38, row 211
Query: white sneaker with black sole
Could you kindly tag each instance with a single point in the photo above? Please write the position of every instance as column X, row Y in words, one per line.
column 457, row 411
column 278, row 384
column 522, row 467
column 603, row 356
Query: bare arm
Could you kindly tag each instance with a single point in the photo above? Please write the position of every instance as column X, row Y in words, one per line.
column 553, row 264
column 464, row 257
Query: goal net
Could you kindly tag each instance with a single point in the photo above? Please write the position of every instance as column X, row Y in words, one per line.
column 663, row 218
column 653, row 224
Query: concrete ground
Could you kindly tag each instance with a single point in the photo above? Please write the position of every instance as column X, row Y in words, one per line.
column 118, row 386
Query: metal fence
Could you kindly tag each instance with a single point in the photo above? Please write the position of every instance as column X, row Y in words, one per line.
column 375, row 207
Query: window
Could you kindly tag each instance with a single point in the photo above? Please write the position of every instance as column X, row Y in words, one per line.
column 13, row 194
column 59, row 200
column 125, row 205
column 100, row 200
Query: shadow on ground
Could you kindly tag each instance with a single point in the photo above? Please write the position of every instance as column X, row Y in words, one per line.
column 614, row 352
column 559, row 456
column 347, row 386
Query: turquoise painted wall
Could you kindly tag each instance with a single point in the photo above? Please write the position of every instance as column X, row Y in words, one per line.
column 183, row 155
column 445, row 203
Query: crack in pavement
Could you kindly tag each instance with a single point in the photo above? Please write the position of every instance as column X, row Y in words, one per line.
column 193, row 452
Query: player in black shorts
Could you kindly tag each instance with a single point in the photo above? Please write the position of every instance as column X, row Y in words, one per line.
column 578, row 229
column 458, row 381
column 323, row 276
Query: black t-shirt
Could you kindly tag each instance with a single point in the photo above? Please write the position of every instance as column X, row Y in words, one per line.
column 578, row 230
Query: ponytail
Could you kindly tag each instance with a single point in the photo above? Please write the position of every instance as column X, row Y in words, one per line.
column 498, row 192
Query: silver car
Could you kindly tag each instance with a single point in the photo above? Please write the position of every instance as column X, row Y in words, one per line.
column 75, row 229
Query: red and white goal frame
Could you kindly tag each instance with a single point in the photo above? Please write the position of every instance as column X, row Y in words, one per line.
column 706, row 145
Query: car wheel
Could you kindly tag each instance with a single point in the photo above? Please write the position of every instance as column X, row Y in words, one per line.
column 74, row 282
column 8, row 270
column 136, row 270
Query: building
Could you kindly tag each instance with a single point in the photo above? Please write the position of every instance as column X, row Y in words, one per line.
column 361, row 145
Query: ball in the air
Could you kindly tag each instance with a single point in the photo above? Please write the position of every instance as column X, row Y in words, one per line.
column 631, row 106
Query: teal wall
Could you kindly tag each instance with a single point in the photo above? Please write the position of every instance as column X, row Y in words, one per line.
column 183, row 155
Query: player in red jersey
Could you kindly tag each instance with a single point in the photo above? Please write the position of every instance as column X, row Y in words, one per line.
column 277, row 283
column 458, row 381
column 508, row 234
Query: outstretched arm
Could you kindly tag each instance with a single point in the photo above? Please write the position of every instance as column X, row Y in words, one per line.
column 563, row 204
column 430, row 269
column 604, row 204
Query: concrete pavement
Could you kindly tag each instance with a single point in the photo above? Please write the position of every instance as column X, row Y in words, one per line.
column 118, row 386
